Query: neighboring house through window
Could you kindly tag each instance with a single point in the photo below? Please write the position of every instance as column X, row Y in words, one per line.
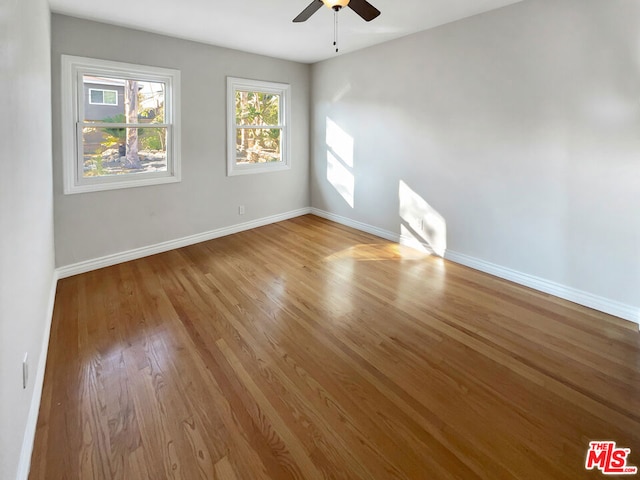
column 258, row 126
column 120, row 125
column 102, row 97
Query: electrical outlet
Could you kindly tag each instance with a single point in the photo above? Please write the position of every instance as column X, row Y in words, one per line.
column 25, row 370
column 241, row 210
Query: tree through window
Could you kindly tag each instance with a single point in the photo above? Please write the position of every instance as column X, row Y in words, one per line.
column 131, row 139
column 258, row 126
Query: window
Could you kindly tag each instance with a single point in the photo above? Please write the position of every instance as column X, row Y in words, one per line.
column 258, row 126
column 120, row 125
column 103, row 97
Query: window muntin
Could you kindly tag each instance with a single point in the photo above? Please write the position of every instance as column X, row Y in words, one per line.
column 258, row 127
column 132, row 143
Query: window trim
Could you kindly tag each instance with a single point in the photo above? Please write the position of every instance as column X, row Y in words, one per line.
column 103, row 102
column 235, row 84
column 72, row 111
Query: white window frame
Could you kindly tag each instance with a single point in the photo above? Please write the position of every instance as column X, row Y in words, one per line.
column 103, row 103
column 235, row 84
column 73, row 69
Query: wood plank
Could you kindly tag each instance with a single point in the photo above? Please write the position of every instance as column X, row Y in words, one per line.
column 306, row 349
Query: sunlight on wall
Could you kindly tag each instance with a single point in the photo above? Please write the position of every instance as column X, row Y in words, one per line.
column 422, row 226
column 341, row 178
column 341, row 93
column 340, row 161
column 340, row 142
column 409, row 239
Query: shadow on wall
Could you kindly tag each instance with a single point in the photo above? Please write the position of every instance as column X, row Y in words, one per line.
column 421, row 226
column 340, row 161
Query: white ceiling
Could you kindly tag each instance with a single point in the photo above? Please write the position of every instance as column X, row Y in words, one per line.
column 265, row 26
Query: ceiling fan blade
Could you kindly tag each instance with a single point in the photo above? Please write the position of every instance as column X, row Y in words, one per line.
column 307, row 12
column 363, row 8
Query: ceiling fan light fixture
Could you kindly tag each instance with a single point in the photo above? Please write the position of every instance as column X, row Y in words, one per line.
column 363, row 8
column 335, row 4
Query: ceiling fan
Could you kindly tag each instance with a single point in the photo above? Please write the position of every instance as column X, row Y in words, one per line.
column 363, row 8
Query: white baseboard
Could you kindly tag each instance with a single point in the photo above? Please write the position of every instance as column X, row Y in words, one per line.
column 618, row 309
column 378, row 232
column 34, row 409
column 574, row 295
column 602, row 304
column 82, row 267
column 580, row 297
column 113, row 259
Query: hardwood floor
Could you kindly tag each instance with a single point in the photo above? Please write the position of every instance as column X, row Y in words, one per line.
column 309, row 350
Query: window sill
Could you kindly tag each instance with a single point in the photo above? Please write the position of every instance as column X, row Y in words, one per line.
column 113, row 185
column 257, row 168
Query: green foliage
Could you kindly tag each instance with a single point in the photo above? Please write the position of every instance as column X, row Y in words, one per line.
column 148, row 138
column 99, row 168
column 261, row 110
column 97, row 161
column 271, row 139
column 117, row 133
column 152, row 139
column 257, row 108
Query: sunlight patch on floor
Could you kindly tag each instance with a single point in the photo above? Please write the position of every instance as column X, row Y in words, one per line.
column 377, row 252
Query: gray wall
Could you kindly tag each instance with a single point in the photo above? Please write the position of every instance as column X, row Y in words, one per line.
column 520, row 127
column 100, row 112
column 92, row 225
column 26, row 217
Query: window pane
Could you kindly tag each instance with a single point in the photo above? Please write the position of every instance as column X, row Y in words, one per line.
column 96, row 96
column 256, row 145
column 110, row 97
column 120, row 151
column 118, row 100
column 257, row 108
